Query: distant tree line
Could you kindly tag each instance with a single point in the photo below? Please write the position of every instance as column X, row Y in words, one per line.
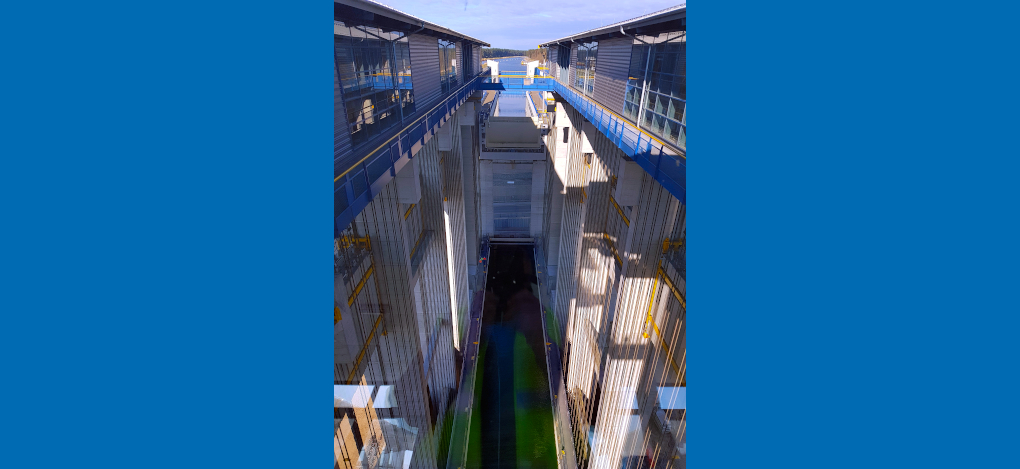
column 533, row 54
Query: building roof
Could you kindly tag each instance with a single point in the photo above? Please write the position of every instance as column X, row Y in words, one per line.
column 670, row 19
column 376, row 8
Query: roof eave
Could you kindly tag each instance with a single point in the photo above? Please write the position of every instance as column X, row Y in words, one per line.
column 614, row 30
column 383, row 10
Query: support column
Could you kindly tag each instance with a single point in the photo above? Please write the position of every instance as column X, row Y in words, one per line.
column 486, row 227
column 539, row 170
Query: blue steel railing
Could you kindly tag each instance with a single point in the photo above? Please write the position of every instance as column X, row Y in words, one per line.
column 384, row 82
column 666, row 163
column 355, row 187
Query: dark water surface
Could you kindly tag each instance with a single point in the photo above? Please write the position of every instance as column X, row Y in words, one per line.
column 512, row 423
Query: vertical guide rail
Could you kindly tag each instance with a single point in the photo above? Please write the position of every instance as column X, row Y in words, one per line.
column 465, row 396
column 565, row 457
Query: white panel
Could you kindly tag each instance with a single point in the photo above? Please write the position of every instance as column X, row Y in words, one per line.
column 408, row 183
column 628, row 184
column 466, row 114
column 512, row 132
column 444, row 137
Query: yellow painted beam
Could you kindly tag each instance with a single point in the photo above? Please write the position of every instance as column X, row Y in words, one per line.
column 665, row 348
column 361, row 355
column 672, row 288
column 408, row 212
column 416, row 243
column 667, row 244
column 620, row 211
column 346, row 242
column 361, row 284
column 650, row 319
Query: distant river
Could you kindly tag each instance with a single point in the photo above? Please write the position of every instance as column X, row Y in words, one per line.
column 512, row 103
column 512, row 64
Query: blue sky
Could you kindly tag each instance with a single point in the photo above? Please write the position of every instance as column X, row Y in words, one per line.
column 523, row 24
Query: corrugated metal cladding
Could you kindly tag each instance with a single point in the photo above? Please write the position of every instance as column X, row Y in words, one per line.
column 424, row 69
column 477, row 59
column 611, row 73
column 460, row 62
column 511, row 199
column 404, row 323
column 554, row 68
column 608, row 265
column 573, row 65
column 464, row 54
column 341, row 131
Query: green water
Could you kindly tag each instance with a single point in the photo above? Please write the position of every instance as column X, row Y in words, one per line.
column 512, row 420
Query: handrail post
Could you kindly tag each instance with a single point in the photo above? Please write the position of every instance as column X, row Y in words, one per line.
column 349, row 190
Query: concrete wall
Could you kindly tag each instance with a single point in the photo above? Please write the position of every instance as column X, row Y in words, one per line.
column 484, row 185
column 452, row 167
column 539, row 170
column 608, row 263
column 469, row 165
column 413, row 347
